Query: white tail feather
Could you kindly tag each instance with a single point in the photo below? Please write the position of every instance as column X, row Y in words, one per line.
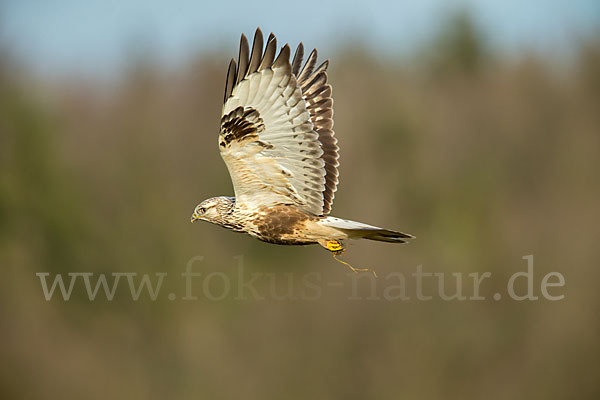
column 358, row 230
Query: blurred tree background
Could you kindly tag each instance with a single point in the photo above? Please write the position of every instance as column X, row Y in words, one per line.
column 484, row 158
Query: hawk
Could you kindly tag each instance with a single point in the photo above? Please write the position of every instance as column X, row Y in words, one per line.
column 278, row 143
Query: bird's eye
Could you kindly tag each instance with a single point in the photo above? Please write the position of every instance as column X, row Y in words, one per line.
column 202, row 210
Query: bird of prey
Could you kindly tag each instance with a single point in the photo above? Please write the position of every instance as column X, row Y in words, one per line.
column 277, row 141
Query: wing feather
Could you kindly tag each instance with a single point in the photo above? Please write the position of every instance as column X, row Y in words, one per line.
column 230, row 81
column 308, row 67
column 322, row 67
column 255, row 56
column 269, row 55
column 283, row 59
column 297, row 62
column 242, row 59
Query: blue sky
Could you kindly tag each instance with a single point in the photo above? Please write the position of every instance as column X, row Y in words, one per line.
column 63, row 36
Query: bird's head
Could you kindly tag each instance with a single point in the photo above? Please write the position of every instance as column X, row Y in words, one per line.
column 215, row 210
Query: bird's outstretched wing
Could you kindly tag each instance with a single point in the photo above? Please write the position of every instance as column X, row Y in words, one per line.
column 276, row 130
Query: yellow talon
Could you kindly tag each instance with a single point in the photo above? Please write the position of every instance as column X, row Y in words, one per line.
column 334, row 246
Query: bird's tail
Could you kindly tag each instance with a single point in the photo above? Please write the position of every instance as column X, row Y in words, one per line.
column 358, row 230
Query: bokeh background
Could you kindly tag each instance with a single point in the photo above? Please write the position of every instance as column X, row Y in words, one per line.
column 474, row 125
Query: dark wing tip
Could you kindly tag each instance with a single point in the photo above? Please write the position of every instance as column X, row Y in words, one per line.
column 242, row 59
column 298, row 56
column 308, row 67
column 230, row 79
column 322, row 67
column 283, row 58
column 256, row 55
column 269, row 56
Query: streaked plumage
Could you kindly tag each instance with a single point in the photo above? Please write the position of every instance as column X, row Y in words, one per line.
column 278, row 143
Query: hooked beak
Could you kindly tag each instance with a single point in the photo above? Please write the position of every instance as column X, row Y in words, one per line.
column 195, row 217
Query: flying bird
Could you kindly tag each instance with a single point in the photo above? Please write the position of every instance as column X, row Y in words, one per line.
column 277, row 141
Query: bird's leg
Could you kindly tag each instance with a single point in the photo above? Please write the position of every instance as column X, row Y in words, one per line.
column 336, row 248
